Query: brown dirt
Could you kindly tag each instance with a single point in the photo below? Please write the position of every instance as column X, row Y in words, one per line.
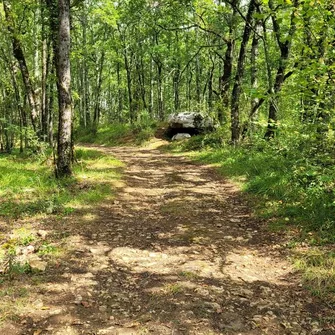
column 177, row 252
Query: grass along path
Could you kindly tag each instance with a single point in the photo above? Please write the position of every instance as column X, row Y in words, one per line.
column 177, row 251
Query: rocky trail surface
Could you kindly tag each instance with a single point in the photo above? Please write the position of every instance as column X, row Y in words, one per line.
column 177, row 252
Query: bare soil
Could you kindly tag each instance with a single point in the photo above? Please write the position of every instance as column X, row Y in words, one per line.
column 178, row 251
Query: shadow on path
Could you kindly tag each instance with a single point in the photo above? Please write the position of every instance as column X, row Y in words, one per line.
column 177, row 252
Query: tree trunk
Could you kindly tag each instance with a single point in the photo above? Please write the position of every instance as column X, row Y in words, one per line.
column 120, row 94
column 210, row 84
column 225, row 79
column 160, row 90
column 176, row 79
column 141, row 81
column 151, row 89
column 96, row 118
column 19, row 55
column 46, row 58
column 85, row 86
column 285, row 47
column 249, row 125
column 64, row 159
column 235, row 99
column 129, row 87
column 254, row 70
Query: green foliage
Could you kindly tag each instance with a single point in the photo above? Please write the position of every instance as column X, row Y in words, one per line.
column 47, row 249
column 24, row 236
column 9, row 265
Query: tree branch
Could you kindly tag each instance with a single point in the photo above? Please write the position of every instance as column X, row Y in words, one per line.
column 195, row 55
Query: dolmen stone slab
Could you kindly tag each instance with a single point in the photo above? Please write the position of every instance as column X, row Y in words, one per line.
column 192, row 123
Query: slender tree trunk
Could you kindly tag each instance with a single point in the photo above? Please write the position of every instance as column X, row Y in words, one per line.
column 255, row 101
column 22, row 113
column 98, row 91
column 54, row 27
column 176, row 74
column 210, row 84
column 44, row 126
column 141, row 81
column 120, row 94
column 285, row 47
column 85, row 87
column 129, row 88
column 254, row 72
column 235, row 99
column 46, row 58
column 198, row 79
column 176, row 79
column 50, row 112
column 160, row 90
column 19, row 55
column 64, row 159
column 151, row 89
column 225, row 79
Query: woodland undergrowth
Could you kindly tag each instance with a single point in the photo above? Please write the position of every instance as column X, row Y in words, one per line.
column 117, row 134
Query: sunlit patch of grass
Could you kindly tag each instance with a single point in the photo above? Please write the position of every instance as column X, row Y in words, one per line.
column 14, row 292
column 89, row 217
column 188, row 275
column 14, row 302
column 172, row 289
column 28, row 186
column 48, row 249
column 318, row 269
column 23, row 235
column 117, row 134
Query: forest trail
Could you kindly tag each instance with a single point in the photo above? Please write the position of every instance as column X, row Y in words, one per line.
column 177, row 252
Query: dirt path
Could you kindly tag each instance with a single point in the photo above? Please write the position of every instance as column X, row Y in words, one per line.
column 177, row 252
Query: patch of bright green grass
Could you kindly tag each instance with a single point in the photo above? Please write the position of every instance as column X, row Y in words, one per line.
column 117, row 134
column 48, row 249
column 172, row 289
column 318, row 269
column 188, row 275
column 28, row 185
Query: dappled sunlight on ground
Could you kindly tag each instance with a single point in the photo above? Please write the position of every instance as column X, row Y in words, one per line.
column 246, row 264
column 177, row 251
